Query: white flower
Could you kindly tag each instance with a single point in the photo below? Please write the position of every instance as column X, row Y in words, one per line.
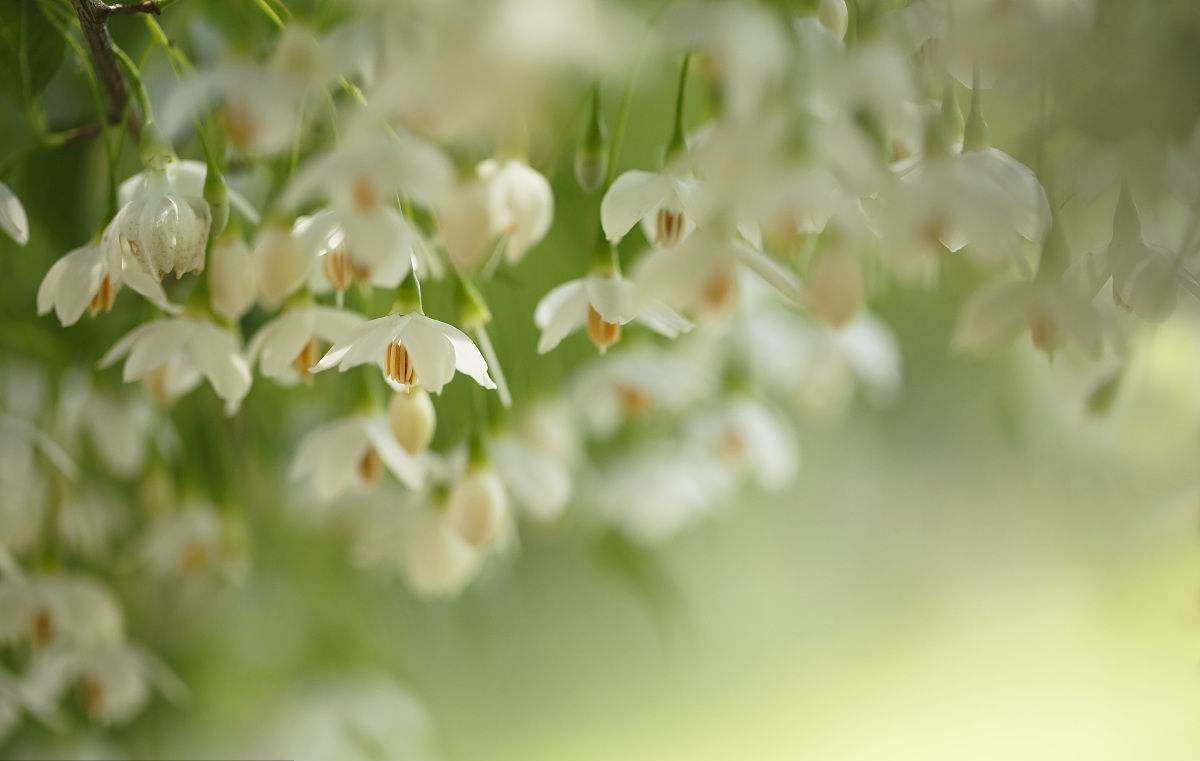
column 114, row 681
column 602, row 303
column 288, row 347
column 13, row 220
column 667, row 205
column 702, row 272
column 59, row 611
column 1146, row 279
column 749, row 438
column 231, row 277
column 346, row 720
column 520, row 204
column 186, row 347
column 345, row 456
column 985, row 199
column 652, row 495
column 380, row 248
column 437, row 561
column 185, row 177
column 539, row 482
column 410, row 349
column 190, row 541
column 88, row 278
column 262, row 104
column 116, row 427
column 642, row 382
column 1054, row 314
column 161, row 228
column 90, row 521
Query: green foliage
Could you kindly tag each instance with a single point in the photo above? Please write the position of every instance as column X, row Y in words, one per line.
column 30, row 46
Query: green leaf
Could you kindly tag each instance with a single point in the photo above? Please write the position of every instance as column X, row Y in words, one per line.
column 30, row 47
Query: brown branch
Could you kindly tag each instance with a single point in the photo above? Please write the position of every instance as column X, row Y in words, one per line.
column 93, row 16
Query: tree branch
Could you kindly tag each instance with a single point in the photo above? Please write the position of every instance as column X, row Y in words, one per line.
column 93, row 15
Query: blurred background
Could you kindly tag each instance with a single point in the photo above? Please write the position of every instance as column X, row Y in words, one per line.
column 997, row 562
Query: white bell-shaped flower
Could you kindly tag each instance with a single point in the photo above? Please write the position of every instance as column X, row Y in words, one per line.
column 602, row 303
column 436, row 560
column 59, row 611
column 520, row 204
column 751, row 440
column 163, row 229
column 1054, row 314
column 348, row 455
column 287, row 347
column 667, row 205
column 88, row 279
column 189, row 347
column 410, row 349
column 194, row 541
column 539, row 482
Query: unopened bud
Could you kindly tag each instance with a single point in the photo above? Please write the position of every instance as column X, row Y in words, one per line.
column 834, row 16
column 478, row 507
column 834, row 287
column 591, row 155
column 231, row 277
column 412, row 419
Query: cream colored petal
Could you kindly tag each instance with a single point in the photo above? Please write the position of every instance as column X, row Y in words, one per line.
column 634, row 195
column 12, row 216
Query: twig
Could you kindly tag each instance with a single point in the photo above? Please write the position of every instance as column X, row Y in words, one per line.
column 93, row 16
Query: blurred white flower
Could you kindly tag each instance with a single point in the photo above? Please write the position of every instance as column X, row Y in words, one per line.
column 288, row 347
column 263, row 104
column 114, row 681
column 13, row 220
column 59, row 611
column 667, row 204
column 410, row 349
column 601, row 303
column 185, row 347
column 749, row 439
column 654, row 493
column 702, row 272
column 193, row 541
column 348, row 455
column 282, row 261
column 520, row 204
column 360, row 718
column 1055, row 314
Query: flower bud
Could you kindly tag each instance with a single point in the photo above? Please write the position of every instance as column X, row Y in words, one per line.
column 834, row 287
column 834, row 16
column 437, row 562
column 478, row 506
column 231, row 277
column 280, row 264
column 591, row 155
column 412, row 419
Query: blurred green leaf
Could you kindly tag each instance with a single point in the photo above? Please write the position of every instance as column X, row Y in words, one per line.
column 30, row 46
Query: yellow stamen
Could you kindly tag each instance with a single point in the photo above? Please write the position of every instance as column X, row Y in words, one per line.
column 397, row 365
column 602, row 334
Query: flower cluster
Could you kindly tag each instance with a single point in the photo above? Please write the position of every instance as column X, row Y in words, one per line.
column 386, row 203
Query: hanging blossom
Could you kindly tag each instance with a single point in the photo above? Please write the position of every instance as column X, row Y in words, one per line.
column 362, row 178
column 602, row 302
column 185, row 349
column 287, row 348
column 349, row 455
column 505, row 208
column 410, row 349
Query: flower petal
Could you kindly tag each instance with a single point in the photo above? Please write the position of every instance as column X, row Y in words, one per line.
column 12, row 216
column 634, row 195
